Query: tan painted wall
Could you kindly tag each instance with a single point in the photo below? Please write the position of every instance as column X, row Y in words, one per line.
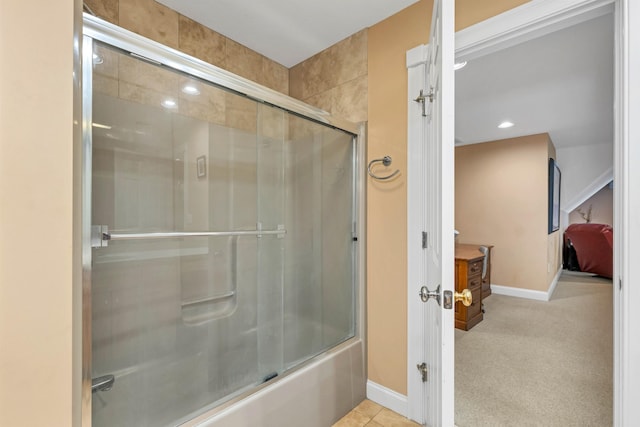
column 554, row 256
column 501, row 200
column 601, row 205
column 469, row 12
column 37, row 259
column 164, row 25
column 387, row 202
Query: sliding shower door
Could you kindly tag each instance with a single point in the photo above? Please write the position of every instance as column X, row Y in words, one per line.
column 223, row 244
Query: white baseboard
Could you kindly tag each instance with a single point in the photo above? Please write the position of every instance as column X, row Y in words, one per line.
column 528, row 293
column 518, row 292
column 554, row 283
column 388, row 398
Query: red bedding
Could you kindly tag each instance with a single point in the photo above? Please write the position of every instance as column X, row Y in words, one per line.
column 594, row 247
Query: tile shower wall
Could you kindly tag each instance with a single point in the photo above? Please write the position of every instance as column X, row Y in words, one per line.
column 335, row 79
column 162, row 24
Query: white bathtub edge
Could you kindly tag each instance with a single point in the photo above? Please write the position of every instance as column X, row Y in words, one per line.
column 316, row 395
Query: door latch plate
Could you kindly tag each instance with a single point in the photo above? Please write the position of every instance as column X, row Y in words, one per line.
column 447, row 297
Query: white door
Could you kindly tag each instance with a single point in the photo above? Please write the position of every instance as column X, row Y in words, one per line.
column 431, row 231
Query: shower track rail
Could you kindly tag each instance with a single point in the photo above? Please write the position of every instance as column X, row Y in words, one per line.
column 101, row 235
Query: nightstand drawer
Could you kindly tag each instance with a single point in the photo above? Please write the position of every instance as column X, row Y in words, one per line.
column 473, row 282
column 475, row 267
column 468, row 275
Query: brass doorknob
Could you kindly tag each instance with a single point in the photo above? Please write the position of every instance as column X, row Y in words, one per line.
column 465, row 297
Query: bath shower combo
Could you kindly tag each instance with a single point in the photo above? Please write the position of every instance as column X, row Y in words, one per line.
column 223, row 245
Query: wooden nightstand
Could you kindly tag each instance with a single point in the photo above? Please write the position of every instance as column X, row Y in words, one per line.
column 468, row 275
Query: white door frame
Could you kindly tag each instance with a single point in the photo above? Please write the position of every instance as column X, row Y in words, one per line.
column 526, row 22
column 416, row 276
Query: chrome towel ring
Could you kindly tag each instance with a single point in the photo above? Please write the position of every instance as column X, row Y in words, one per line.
column 386, row 161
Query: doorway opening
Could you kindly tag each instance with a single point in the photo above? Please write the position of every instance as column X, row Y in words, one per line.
column 543, row 332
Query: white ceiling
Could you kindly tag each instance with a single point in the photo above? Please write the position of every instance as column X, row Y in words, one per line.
column 561, row 83
column 287, row 31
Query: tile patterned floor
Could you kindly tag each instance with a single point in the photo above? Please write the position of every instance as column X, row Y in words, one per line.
column 370, row 414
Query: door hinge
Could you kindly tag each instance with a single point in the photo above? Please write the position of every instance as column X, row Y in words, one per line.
column 424, row 239
column 422, row 368
column 422, row 100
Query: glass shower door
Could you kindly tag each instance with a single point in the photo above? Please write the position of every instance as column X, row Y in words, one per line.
column 187, row 189
column 223, row 241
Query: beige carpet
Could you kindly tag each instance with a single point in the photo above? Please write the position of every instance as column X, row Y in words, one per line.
column 534, row 363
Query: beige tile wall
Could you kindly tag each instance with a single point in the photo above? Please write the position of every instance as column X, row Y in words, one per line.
column 157, row 22
column 335, row 79
column 121, row 76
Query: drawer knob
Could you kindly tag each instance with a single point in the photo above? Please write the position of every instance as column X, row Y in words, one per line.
column 465, row 297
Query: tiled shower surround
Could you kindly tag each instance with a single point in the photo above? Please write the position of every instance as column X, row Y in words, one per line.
column 335, row 79
column 163, row 25
column 185, row 324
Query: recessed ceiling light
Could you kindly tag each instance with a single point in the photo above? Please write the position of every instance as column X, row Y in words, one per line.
column 169, row 103
column 459, row 65
column 191, row 90
column 505, row 124
column 97, row 59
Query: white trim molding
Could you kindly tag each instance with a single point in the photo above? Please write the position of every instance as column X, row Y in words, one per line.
column 388, row 398
column 518, row 292
column 554, row 284
column 528, row 293
column 626, row 196
column 593, row 188
column 417, row 56
column 416, row 274
column 526, row 22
